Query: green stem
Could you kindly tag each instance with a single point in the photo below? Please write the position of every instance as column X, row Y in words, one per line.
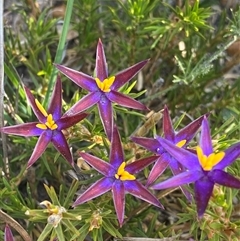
column 60, row 48
column 4, row 139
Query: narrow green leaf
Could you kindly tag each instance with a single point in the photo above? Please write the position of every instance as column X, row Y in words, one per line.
column 72, row 191
column 84, row 230
column 107, row 225
column 70, row 226
column 48, row 228
column 59, row 233
column 52, row 194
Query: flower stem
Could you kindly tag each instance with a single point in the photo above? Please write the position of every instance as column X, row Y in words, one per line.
column 60, row 48
column 4, row 139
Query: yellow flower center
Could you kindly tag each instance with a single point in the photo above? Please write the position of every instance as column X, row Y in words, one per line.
column 106, row 84
column 181, row 143
column 122, row 174
column 208, row 162
column 50, row 123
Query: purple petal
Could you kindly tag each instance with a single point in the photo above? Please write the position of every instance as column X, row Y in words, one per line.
column 124, row 100
column 119, row 200
column 177, row 168
column 55, row 106
column 8, row 236
column 205, row 138
column 116, row 152
column 189, row 131
column 124, row 76
column 40, row 147
column 106, row 115
column 101, row 166
column 83, row 80
column 178, row 180
column 60, row 143
column 231, row 154
column 186, row 158
column 35, row 109
column 138, row 190
column 66, row 122
column 223, row 178
column 168, row 130
column 97, row 189
column 101, row 63
column 139, row 165
column 150, row 144
column 26, row 129
column 203, row 191
column 158, row 168
column 86, row 102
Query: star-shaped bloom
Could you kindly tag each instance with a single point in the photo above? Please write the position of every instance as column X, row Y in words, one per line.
column 204, row 168
column 179, row 139
column 119, row 177
column 49, row 127
column 103, row 89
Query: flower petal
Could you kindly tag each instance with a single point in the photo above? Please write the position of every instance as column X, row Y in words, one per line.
column 106, row 115
column 124, row 100
column 178, row 180
column 40, row 147
column 203, row 190
column 68, row 121
column 55, row 106
column 83, row 80
column 116, row 152
column 119, row 200
column 139, row 165
column 124, row 76
column 158, row 168
column 150, row 144
column 138, row 190
column 205, row 138
column 60, row 143
column 101, row 63
column 97, row 189
column 231, row 154
column 26, row 129
column 186, row 158
column 35, row 109
column 223, row 178
column 8, row 236
column 101, row 166
column 177, row 168
column 86, row 102
column 168, row 130
column 189, row 131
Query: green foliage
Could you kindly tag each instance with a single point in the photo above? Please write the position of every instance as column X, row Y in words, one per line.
column 188, row 51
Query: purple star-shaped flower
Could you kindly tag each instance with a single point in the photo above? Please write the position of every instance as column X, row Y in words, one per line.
column 103, row 89
column 119, row 177
column 204, row 169
column 50, row 125
column 179, row 139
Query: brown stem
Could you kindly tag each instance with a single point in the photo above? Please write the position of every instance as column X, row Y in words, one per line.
column 14, row 224
column 34, row 8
